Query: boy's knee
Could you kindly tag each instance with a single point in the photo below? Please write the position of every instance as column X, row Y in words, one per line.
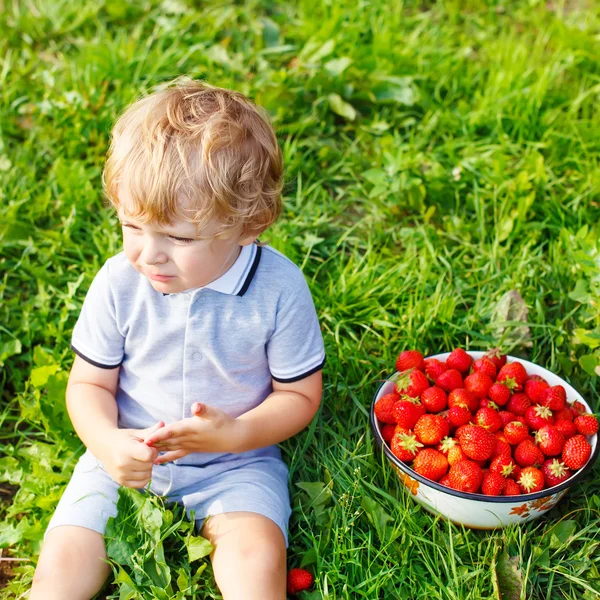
column 68, row 555
column 262, row 555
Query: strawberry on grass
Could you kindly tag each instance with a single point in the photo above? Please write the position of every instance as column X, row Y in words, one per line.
column 298, row 580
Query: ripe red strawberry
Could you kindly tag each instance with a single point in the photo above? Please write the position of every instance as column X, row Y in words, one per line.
column 500, row 436
column 555, row 472
column 462, row 397
column 502, row 449
column 485, row 366
column 576, row 452
column 531, row 480
column 539, row 416
column 507, row 417
column 431, row 464
column 550, row 440
column 449, row 380
column 407, row 411
column 456, row 454
column 511, row 488
column 477, row 443
column 387, row 431
column 459, row 415
column 555, row 397
column 496, row 356
column 489, row 419
column 499, row 394
column 434, row 399
column 431, row 429
column 578, row 407
column 405, row 445
column 458, row 359
column 515, row 432
column 567, row 428
column 412, row 383
column 513, row 375
column 465, row 476
column 535, row 386
column 410, row 359
column 503, row 465
column 298, row 580
column 586, row 424
column 383, row 408
column 518, row 404
column 446, row 445
column 478, row 384
column 445, row 480
column 493, row 484
column 434, row 368
column 487, row 403
column 527, row 454
column 565, row 414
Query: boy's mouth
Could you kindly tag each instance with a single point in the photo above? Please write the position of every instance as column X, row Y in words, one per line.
column 158, row 277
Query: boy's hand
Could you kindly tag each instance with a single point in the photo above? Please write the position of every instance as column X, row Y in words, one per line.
column 127, row 459
column 209, row 430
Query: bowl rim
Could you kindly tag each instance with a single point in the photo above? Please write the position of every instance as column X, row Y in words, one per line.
column 481, row 497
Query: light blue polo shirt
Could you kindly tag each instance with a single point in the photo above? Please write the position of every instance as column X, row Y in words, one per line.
column 221, row 344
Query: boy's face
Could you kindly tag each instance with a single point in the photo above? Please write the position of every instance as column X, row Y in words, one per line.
column 172, row 257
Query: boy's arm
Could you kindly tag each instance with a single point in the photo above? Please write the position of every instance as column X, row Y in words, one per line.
column 93, row 411
column 285, row 412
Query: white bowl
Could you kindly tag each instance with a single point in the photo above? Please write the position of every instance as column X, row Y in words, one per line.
column 479, row 511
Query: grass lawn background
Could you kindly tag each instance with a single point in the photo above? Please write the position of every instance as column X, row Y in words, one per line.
column 438, row 156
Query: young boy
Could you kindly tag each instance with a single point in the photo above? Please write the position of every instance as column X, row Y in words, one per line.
column 197, row 348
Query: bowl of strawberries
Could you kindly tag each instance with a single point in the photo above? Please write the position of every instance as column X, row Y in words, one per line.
column 483, row 438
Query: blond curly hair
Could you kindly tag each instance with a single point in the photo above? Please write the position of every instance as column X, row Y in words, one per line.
column 204, row 154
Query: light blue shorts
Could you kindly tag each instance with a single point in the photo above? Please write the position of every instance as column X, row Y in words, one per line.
column 258, row 486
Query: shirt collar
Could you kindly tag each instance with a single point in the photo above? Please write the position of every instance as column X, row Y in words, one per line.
column 236, row 280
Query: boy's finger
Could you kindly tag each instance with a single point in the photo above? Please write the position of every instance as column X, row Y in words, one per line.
column 162, row 434
column 150, row 430
column 170, row 456
column 145, row 453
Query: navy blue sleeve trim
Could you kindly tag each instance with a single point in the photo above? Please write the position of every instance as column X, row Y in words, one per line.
column 251, row 272
column 93, row 362
column 299, row 377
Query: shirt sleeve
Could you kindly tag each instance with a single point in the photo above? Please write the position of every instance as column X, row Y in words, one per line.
column 96, row 336
column 296, row 349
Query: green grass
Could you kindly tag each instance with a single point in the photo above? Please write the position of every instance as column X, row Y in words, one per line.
column 438, row 155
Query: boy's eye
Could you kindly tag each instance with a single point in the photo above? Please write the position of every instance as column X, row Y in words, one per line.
column 173, row 237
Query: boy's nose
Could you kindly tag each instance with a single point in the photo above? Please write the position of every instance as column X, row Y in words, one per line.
column 152, row 254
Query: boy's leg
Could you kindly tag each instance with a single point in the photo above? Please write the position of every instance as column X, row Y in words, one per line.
column 249, row 559
column 71, row 565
